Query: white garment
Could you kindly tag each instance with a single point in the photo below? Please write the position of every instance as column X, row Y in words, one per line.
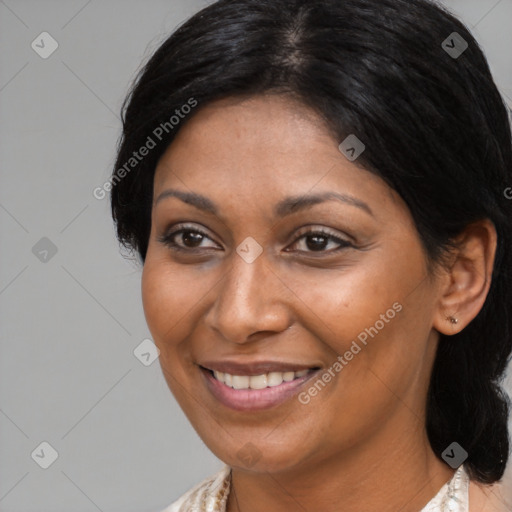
column 211, row 495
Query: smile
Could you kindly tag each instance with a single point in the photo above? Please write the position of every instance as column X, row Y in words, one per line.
column 255, row 392
column 265, row 380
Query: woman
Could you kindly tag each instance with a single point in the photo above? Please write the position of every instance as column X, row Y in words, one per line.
column 315, row 189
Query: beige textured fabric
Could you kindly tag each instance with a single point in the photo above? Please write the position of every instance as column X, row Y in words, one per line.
column 211, row 495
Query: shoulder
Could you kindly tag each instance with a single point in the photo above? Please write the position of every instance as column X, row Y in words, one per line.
column 488, row 498
column 214, row 487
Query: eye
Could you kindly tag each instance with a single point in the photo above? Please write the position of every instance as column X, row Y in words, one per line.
column 185, row 239
column 188, row 239
column 319, row 240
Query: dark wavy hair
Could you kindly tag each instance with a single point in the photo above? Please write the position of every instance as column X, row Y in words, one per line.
column 435, row 127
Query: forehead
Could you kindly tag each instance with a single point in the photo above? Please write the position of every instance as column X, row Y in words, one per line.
column 260, row 149
column 248, row 137
column 271, row 122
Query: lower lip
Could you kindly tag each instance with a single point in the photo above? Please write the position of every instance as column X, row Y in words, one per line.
column 253, row 399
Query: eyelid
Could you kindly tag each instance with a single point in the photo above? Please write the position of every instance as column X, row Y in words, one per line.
column 316, row 228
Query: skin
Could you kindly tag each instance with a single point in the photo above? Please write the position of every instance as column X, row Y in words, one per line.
column 360, row 444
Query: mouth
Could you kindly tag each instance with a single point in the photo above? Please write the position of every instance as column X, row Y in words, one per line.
column 271, row 379
column 246, row 392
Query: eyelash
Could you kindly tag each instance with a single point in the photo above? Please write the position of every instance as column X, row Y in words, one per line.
column 168, row 240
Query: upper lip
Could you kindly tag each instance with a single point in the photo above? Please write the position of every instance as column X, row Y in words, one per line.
column 254, row 367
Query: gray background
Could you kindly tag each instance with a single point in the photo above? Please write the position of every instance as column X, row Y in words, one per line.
column 69, row 325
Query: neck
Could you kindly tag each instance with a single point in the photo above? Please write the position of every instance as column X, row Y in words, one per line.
column 390, row 472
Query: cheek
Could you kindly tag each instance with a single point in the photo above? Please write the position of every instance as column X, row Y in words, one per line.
column 341, row 303
column 374, row 314
column 174, row 299
column 167, row 297
column 168, row 300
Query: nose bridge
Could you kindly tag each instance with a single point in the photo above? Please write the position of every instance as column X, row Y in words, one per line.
column 248, row 299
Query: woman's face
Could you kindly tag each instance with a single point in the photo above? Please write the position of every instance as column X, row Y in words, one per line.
column 286, row 258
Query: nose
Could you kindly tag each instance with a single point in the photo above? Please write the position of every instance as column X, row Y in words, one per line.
column 251, row 301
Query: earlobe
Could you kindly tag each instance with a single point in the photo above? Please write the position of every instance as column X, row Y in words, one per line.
column 452, row 319
column 467, row 279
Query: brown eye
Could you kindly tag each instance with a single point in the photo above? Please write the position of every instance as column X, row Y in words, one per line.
column 191, row 238
column 185, row 239
column 319, row 241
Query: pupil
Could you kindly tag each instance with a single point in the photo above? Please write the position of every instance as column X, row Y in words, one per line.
column 319, row 242
column 194, row 238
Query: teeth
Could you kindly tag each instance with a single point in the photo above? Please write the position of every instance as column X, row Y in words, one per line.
column 274, row 379
column 240, row 382
column 258, row 381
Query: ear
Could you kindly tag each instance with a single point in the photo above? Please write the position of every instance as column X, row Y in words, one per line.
column 466, row 281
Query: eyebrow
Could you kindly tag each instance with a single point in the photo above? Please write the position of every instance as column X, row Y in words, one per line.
column 285, row 207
